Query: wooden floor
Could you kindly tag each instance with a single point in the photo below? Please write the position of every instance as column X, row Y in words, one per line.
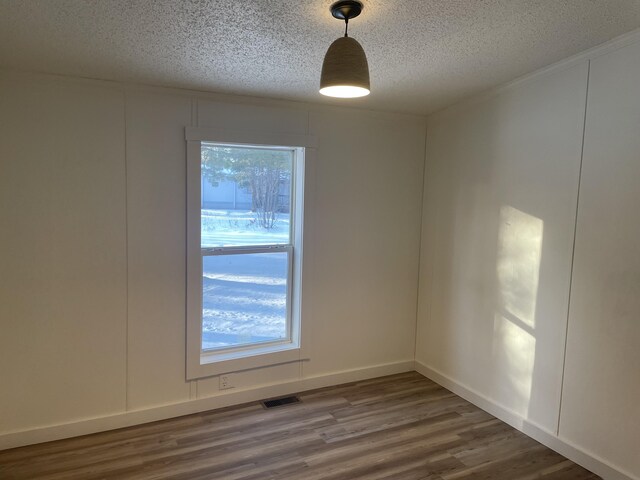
column 401, row 427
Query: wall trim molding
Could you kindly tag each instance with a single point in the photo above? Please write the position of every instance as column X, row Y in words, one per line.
column 573, row 452
column 253, row 100
column 587, row 55
column 228, row 398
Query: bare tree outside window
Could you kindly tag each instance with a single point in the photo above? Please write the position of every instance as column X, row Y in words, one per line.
column 265, row 173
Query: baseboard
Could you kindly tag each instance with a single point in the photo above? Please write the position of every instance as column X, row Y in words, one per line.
column 228, row 398
column 137, row 417
column 574, row 453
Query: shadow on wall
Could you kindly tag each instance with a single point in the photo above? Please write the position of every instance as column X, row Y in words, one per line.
column 518, row 261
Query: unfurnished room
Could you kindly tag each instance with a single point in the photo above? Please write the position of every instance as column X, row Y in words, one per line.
column 319, row 239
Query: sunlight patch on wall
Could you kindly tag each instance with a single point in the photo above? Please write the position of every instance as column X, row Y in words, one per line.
column 517, row 269
column 514, row 355
column 518, row 264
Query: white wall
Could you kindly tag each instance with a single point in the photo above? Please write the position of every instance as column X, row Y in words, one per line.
column 497, row 267
column 502, row 181
column 93, row 245
column 601, row 395
column 63, row 271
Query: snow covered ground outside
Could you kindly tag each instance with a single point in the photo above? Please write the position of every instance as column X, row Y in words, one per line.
column 244, row 296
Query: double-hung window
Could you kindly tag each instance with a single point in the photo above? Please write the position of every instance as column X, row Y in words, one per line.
column 244, row 255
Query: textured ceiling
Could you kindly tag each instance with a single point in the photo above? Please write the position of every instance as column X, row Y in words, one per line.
column 423, row 54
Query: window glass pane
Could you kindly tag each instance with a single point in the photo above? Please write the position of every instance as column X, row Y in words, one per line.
column 246, row 195
column 244, row 299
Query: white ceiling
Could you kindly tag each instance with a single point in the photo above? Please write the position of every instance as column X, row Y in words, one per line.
column 423, row 54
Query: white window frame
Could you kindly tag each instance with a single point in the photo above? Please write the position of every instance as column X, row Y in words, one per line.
column 200, row 363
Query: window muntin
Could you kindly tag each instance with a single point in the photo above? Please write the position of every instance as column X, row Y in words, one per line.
column 247, row 248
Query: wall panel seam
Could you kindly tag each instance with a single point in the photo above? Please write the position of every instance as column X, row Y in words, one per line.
column 420, row 230
column 126, row 256
column 573, row 250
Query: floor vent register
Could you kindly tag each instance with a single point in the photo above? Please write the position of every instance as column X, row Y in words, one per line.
column 280, row 402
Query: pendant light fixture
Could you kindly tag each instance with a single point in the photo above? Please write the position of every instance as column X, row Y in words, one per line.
column 345, row 71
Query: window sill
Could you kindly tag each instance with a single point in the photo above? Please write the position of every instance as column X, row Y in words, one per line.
column 218, row 363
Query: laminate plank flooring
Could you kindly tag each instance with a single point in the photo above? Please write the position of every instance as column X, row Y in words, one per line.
column 400, row 427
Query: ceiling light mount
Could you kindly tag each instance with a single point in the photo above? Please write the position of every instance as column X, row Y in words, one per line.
column 345, row 71
column 346, row 9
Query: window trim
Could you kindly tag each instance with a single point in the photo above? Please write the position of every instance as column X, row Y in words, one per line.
column 202, row 364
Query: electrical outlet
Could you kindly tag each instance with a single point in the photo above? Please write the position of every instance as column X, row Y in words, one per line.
column 226, row 382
